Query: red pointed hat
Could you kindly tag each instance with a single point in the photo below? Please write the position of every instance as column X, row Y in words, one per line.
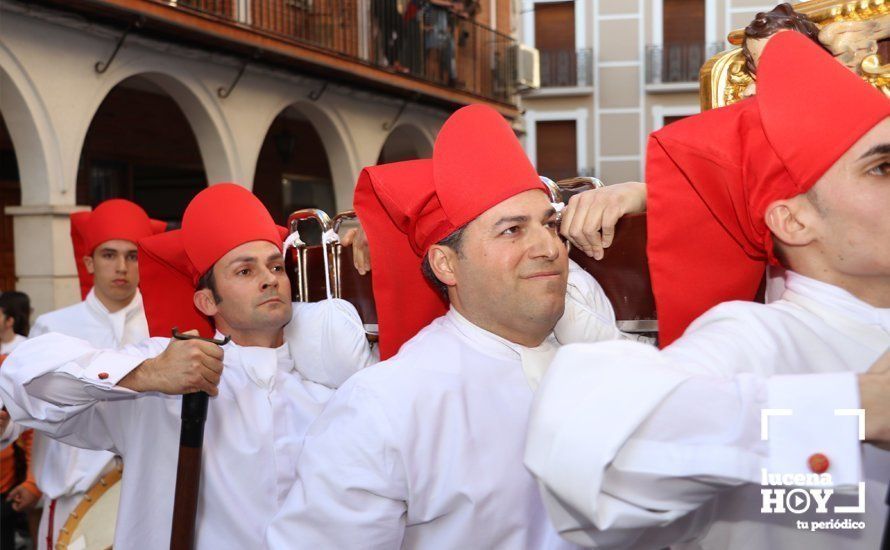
column 406, row 207
column 711, row 177
column 110, row 220
column 218, row 219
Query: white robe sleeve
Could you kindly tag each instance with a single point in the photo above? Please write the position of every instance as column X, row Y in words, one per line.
column 67, row 389
column 39, row 328
column 629, row 443
column 351, row 489
column 327, row 341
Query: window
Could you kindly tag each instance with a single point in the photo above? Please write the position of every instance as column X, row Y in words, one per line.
column 555, row 40
column 556, row 148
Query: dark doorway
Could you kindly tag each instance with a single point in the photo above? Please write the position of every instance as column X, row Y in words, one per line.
column 141, row 147
column 10, row 195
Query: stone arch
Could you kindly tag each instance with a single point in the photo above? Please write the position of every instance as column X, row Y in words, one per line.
column 406, row 141
column 30, row 129
column 200, row 107
column 337, row 140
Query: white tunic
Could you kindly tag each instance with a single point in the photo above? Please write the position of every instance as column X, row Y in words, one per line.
column 252, row 437
column 424, row 450
column 7, row 347
column 636, row 448
column 63, row 470
column 13, row 430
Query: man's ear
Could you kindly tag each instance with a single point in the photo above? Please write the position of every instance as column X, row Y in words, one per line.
column 792, row 221
column 205, row 303
column 88, row 262
column 443, row 261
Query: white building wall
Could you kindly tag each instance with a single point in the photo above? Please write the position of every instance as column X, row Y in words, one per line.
column 622, row 109
column 49, row 93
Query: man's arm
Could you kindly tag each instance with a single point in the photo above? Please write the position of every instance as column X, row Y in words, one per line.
column 590, row 217
column 327, row 341
column 351, row 490
column 63, row 386
column 679, row 432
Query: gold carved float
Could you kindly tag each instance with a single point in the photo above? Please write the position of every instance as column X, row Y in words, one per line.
column 851, row 30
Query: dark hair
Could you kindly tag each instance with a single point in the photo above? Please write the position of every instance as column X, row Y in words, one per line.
column 17, row 305
column 782, row 17
column 208, row 281
column 452, row 241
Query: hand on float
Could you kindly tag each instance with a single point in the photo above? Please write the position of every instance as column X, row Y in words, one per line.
column 186, row 366
column 361, row 252
column 589, row 218
column 874, row 397
column 22, row 499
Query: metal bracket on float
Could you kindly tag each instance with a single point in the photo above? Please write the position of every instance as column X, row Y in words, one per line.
column 333, row 251
column 337, row 248
column 300, row 259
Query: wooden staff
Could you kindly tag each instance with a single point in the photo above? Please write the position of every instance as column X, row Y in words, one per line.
column 188, row 470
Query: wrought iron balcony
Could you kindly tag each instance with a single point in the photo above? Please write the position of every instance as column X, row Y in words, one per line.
column 566, row 68
column 423, row 41
column 677, row 63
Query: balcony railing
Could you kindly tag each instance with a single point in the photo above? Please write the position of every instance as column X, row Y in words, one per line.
column 427, row 42
column 566, row 68
column 677, row 63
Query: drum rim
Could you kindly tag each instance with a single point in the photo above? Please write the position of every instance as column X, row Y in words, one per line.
column 93, row 495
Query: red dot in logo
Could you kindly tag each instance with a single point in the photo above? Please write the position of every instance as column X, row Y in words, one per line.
column 818, row 463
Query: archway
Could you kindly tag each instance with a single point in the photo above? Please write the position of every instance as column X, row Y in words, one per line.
column 405, row 142
column 294, row 167
column 10, row 195
column 140, row 146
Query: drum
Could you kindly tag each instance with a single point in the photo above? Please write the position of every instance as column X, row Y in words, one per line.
column 91, row 525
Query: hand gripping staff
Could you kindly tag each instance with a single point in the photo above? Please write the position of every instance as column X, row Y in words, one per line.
column 188, row 470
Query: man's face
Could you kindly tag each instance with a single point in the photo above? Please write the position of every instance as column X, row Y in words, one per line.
column 512, row 267
column 115, row 270
column 254, row 288
column 853, row 200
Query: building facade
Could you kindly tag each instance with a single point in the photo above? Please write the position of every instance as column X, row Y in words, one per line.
column 153, row 100
column 612, row 71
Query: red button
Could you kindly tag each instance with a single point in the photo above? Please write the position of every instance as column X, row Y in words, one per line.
column 103, row 375
column 818, row 463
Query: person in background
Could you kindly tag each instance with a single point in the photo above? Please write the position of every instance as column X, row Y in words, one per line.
column 15, row 315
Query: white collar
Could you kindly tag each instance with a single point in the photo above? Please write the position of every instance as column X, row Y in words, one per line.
column 261, row 364
column 534, row 361
column 118, row 319
column 833, row 299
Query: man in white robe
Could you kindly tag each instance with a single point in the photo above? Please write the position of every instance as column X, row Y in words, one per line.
column 637, row 448
column 424, row 449
column 261, row 402
column 110, row 316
